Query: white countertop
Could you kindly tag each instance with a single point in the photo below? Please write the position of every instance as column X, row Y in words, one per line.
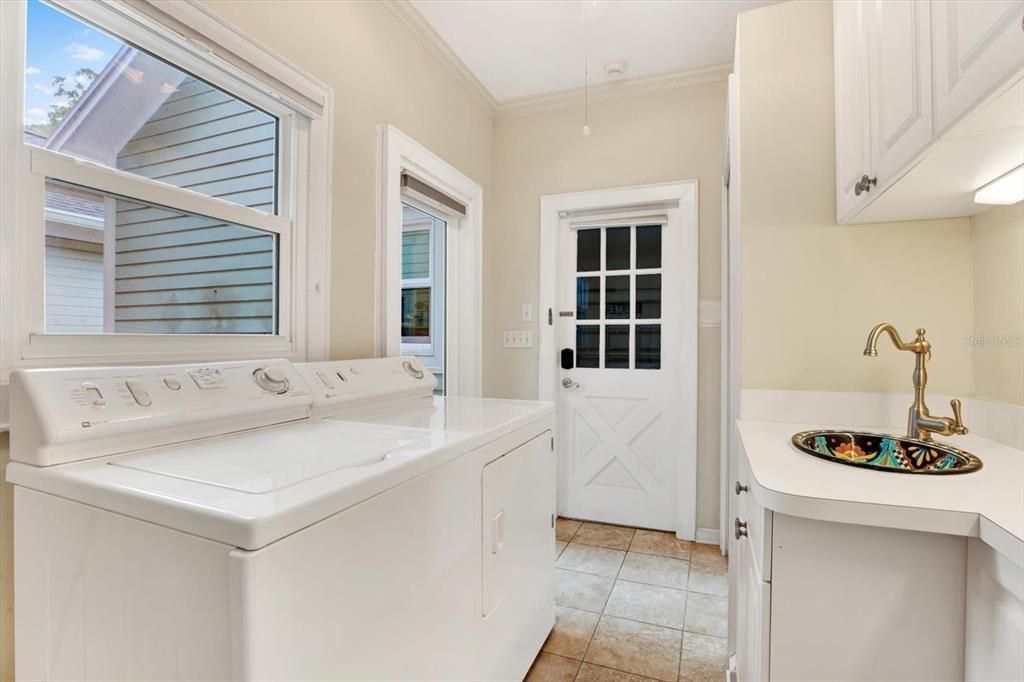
column 988, row 504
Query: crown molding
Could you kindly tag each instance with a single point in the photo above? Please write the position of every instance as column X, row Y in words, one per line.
column 420, row 28
column 631, row 87
column 414, row 22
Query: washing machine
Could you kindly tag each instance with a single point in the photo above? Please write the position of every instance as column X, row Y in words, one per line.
column 270, row 521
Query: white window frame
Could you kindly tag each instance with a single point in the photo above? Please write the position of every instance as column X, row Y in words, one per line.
column 397, row 154
column 303, row 208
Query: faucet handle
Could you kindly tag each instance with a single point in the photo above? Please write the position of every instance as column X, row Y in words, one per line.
column 958, row 420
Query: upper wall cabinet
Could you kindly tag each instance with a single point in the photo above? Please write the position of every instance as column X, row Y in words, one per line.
column 908, row 76
column 978, row 45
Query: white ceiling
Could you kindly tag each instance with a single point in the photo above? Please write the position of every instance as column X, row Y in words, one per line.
column 519, row 48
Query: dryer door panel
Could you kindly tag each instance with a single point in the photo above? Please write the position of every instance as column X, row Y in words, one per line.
column 518, row 491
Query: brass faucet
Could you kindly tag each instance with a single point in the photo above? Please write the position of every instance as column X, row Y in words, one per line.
column 920, row 423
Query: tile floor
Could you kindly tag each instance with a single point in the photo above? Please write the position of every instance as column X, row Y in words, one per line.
column 634, row 605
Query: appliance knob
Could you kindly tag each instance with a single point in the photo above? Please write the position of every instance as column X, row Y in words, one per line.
column 271, row 379
column 412, row 370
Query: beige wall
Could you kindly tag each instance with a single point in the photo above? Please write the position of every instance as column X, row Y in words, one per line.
column 998, row 241
column 380, row 73
column 658, row 137
column 811, row 289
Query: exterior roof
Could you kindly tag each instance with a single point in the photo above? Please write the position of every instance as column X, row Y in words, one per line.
column 74, row 202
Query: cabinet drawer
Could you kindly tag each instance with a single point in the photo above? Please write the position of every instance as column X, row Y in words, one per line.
column 758, row 520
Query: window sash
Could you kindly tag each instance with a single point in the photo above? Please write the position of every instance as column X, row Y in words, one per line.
column 47, row 163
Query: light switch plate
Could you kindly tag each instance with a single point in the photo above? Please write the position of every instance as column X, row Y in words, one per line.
column 527, row 312
column 517, row 338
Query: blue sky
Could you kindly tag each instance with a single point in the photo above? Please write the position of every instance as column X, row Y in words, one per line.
column 58, row 45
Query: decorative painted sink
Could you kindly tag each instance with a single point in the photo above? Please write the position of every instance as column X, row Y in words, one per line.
column 886, row 452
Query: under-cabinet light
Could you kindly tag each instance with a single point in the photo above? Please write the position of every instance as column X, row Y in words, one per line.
column 1006, row 189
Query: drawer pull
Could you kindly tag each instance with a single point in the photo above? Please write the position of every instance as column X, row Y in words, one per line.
column 740, row 488
column 741, row 528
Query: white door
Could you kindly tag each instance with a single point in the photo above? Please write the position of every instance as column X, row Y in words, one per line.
column 423, row 287
column 623, row 347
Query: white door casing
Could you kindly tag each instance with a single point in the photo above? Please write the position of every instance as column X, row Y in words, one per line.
column 627, row 445
column 398, row 153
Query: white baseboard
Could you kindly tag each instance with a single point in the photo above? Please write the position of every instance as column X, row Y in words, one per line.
column 709, row 536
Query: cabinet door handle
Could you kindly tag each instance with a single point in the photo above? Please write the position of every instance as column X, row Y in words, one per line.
column 741, row 528
column 864, row 185
column 740, row 488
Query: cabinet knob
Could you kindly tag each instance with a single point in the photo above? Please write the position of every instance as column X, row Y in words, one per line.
column 740, row 488
column 864, row 185
column 741, row 528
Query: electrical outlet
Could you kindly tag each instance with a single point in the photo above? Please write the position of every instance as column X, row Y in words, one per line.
column 527, row 312
column 517, row 338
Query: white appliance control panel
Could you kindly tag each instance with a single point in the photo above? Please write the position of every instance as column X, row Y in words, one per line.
column 341, row 385
column 63, row 415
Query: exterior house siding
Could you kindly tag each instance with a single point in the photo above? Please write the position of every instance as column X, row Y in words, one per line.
column 180, row 273
column 74, row 290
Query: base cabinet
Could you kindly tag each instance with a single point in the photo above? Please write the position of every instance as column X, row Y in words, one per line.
column 995, row 616
column 819, row 601
column 859, row 604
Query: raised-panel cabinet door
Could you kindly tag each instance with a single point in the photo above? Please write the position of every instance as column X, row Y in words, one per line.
column 741, row 558
column 752, row 647
column 899, row 47
column 978, row 47
column 853, row 141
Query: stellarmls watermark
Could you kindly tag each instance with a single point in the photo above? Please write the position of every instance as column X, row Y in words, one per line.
column 994, row 340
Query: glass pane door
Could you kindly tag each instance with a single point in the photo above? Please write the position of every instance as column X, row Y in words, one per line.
column 423, row 289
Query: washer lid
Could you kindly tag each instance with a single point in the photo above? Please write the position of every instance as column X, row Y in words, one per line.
column 268, row 460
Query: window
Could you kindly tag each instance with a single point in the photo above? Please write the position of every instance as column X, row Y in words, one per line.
column 165, row 189
column 631, row 279
column 423, row 317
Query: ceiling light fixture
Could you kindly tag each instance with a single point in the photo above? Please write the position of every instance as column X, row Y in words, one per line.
column 1006, row 189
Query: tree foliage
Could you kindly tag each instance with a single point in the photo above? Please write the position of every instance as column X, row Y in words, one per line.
column 67, row 91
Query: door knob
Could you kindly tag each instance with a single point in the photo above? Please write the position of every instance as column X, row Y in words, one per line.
column 740, row 488
column 569, row 383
